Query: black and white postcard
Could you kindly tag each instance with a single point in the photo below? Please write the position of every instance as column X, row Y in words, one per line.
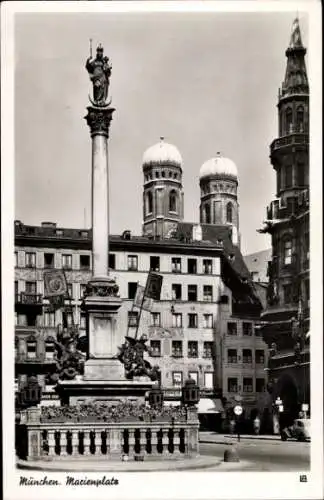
column 161, row 250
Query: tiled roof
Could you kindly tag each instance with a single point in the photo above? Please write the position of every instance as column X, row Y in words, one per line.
column 218, row 235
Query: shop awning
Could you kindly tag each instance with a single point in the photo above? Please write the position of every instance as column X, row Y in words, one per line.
column 210, row 406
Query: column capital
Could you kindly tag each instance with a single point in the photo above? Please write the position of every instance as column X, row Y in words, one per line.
column 98, row 119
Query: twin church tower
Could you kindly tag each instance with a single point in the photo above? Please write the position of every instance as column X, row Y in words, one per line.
column 163, row 192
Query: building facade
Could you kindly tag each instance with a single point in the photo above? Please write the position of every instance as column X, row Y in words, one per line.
column 203, row 325
column 285, row 322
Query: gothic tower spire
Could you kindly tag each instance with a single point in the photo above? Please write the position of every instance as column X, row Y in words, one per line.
column 296, row 81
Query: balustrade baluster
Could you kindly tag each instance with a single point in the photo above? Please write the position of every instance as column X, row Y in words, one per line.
column 154, row 441
column 176, row 441
column 86, row 442
column 98, row 442
column 63, row 443
column 143, row 441
column 165, row 441
column 75, row 442
column 51, row 443
column 114, row 442
column 186, row 441
column 131, row 442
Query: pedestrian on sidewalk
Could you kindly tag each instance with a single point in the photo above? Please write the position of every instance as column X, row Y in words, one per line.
column 256, row 426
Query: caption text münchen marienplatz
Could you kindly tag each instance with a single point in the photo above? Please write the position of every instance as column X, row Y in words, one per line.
column 69, row 481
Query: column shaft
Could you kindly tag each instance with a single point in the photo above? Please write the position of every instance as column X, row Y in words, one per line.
column 100, row 206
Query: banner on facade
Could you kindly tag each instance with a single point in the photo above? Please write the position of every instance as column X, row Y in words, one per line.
column 142, row 302
column 153, row 286
column 55, row 284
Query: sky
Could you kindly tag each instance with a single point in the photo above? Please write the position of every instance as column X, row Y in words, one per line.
column 207, row 82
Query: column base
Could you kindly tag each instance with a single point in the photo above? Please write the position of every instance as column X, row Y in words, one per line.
column 103, row 369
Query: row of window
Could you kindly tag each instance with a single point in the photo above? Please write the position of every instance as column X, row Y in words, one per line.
column 233, row 386
column 132, row 262
column 173, row 201
column 229, row 213
column 285, row 178
column 164, row 173
column 208, row 379
column 177, row 349
column 31, row 288
column 288, row 249
column 232, row 382
column 32, row 348
column 47, row 320
column 288, row 124
column 176, row 292
column 208, row 351
column 247, row 358
column 177, row 320
column 219, row 186
column 30, row 261
column 192, row 322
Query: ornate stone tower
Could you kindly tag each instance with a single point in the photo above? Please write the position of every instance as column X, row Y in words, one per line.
column 163, row 194
column 218, row 194
column 285, row 322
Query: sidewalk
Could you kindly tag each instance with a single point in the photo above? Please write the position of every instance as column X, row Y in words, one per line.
column 198, row 463
column 213, row 437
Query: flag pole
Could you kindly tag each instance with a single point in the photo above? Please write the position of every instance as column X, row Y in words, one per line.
column 69, row 299
column 142, row 303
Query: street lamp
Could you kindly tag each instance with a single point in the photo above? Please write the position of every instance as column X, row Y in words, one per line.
column 190, row 393
column 156, row 396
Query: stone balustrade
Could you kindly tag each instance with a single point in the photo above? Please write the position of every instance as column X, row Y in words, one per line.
column 165, row 438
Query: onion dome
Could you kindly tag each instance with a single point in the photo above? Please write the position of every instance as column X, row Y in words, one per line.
column 162, row 153
column 218, row 166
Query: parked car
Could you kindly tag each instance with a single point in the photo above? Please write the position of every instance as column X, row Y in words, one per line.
column 300, row 430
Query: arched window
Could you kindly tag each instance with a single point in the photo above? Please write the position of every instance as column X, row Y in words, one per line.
column 173, row 201
column 287, row 251
column 229, row 212
column 149, row 202
column 300, row 119
column 288, row 120
column 207, row 213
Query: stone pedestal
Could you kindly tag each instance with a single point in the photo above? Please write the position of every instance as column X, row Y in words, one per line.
column 101, row 305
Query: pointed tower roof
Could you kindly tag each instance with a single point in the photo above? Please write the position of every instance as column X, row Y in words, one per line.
column 295, row 38
column 296, row 81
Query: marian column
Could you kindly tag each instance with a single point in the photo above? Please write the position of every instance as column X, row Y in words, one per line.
column 101, row 300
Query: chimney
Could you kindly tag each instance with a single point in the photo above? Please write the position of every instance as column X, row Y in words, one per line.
column 49, row 224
